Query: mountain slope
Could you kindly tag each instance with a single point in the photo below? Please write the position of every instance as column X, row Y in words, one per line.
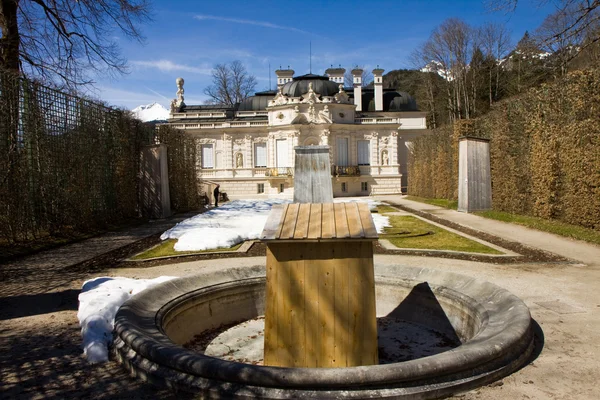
column 151, row 112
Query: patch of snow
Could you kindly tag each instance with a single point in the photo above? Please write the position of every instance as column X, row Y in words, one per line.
column 237, row 221
column 99, row 301
column 151, row 112
column 224, row 226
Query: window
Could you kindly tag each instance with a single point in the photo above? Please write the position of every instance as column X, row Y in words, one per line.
column 364, row 187
column 261, row 188
column 260, row 155
column 281, row 187
column 282, row 153
column 207, row 156
column 363, row 152
column 342, row 152
column 344, row 187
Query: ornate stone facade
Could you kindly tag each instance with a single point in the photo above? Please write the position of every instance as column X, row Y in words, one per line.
column 249, row 148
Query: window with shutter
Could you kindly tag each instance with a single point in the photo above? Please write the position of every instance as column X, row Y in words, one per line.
column 207, row 156
column 364, row 156
column 260, row 155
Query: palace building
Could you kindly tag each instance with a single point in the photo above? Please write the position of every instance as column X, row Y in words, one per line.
column 249, row 148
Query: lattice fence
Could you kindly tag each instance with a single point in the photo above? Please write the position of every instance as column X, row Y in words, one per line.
column 66, row 163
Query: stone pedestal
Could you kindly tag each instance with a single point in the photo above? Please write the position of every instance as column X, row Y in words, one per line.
column 312, row 175
column 474, row 176
column 320, row 291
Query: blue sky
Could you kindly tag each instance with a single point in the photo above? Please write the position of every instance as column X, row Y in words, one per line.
column 187, row 38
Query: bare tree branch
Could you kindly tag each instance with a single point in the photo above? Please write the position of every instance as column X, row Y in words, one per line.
column 70, row 41
column 231, row 84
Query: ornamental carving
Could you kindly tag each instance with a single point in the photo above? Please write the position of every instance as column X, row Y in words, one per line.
column 239, row 142
column 325, row 133
column 207, row 141
column 279, row 99
column 394, row 134
column 227, row 137
column 325, row 115
column 248, row 138
column 261, row 139
column 310, row 97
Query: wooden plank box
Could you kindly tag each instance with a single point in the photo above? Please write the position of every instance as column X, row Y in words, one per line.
column 320, row 300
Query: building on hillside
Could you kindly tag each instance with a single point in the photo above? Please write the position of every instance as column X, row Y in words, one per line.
column 249, row 148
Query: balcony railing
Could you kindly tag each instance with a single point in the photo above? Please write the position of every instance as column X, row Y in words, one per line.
column 377, row 120
column 220, row 125
column 339, row 170
column 282, row 172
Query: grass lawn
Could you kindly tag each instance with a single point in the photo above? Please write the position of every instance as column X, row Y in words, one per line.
column 408, row 232
column 452, row 204
column 556, row 227
column 382, row 209
column 165, row 249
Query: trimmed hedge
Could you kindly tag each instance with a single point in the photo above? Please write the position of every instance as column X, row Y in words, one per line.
column 544, row 152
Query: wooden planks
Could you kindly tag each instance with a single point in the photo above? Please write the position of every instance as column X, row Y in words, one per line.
column 320, row 305
column 327, row 221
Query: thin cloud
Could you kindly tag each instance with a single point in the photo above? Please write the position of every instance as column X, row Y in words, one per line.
column 264, row 24
column 169, row 66
column 158, row 94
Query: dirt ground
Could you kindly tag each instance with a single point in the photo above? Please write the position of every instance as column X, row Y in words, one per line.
column 41, row 357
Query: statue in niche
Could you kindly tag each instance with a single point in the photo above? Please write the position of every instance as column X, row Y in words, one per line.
column 385, row 158
column 325, row 115
column 239, row 160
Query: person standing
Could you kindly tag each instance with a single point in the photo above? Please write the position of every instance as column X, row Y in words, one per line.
column 216, row 193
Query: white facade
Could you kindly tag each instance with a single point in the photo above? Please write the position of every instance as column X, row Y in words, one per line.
column 249, row 149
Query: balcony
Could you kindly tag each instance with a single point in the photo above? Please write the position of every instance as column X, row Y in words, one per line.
column 339, row 170
column 279, row 172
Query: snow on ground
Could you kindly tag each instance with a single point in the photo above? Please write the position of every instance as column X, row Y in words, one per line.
column 99, row 300
column 224, row 226
column 237, row 221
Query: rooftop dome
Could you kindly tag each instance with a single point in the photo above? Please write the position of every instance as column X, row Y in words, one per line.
column 321, row 85
column 258, row 102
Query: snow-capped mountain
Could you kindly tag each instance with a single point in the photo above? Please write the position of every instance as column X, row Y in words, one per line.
column 151, row 112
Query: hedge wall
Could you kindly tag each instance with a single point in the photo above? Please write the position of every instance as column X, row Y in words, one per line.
column 545, row 153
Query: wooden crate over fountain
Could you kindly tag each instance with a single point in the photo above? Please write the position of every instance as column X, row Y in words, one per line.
column 320, row 290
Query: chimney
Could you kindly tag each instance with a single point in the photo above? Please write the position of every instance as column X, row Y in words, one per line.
column 357, row 83
column 284, row 76
column 336, row 74
column 378, row 82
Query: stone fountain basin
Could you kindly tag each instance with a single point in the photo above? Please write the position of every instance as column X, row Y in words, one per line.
column 493, row 325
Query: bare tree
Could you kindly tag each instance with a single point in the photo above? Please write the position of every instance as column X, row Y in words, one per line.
column 557, row 35
column 68, row 41
column 495, row 41
column 575, row 18
column 367, row 76
column 448, row 52
column 230, row 84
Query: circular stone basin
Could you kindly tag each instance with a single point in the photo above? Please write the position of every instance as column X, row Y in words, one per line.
column 493, row 326
column 398, row 340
